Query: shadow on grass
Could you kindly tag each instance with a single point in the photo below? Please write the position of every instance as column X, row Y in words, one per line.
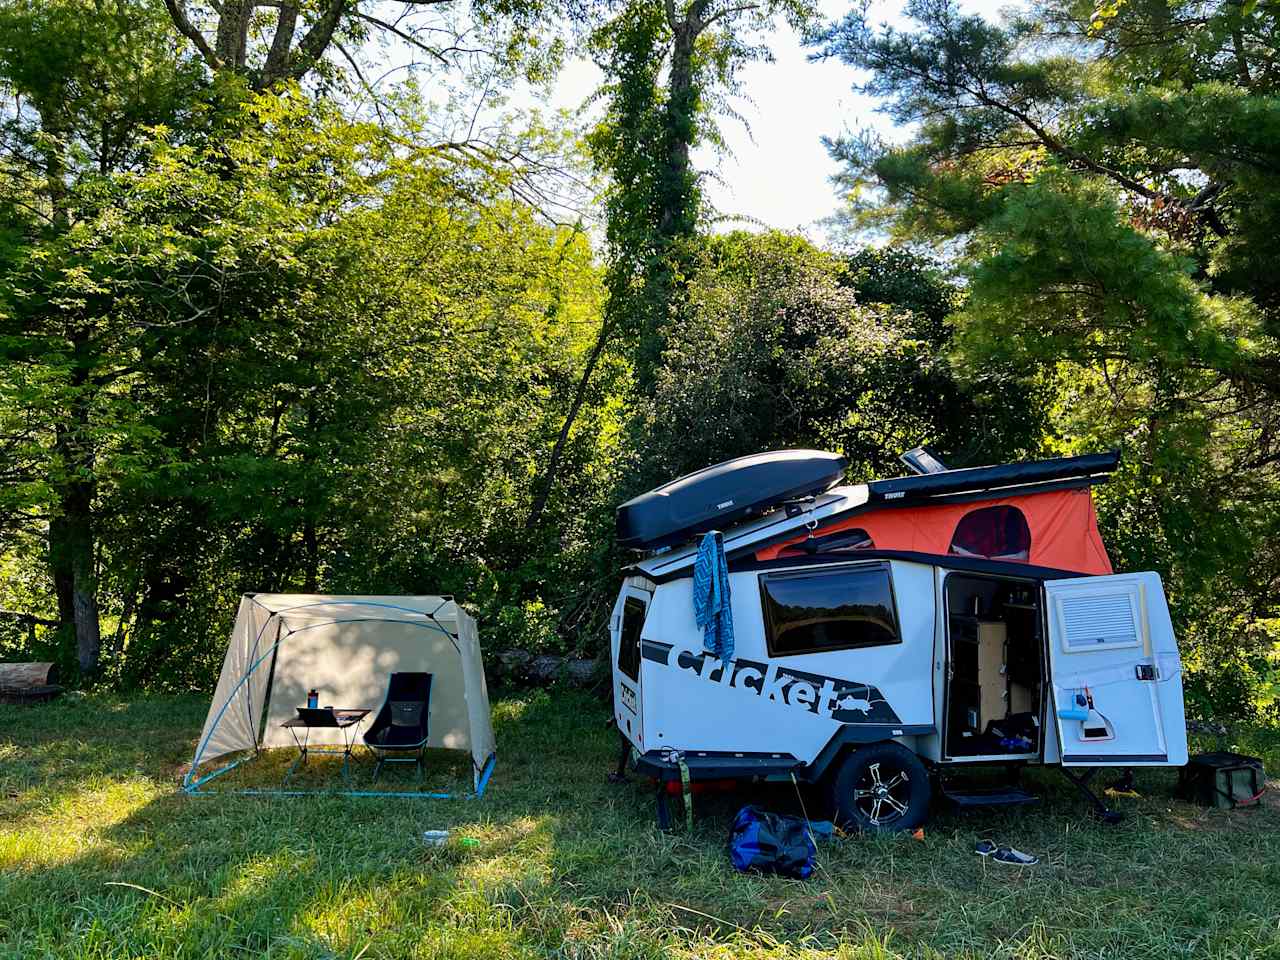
column 554, row 861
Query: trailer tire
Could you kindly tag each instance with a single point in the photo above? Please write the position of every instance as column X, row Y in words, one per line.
column 880, row 788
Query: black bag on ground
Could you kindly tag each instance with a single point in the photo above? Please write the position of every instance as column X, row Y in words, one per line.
column 1223, row 779
column 771, row 843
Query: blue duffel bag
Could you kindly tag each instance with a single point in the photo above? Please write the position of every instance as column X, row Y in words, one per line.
column 771, row 843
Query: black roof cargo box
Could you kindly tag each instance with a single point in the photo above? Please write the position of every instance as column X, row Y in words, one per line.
column 715, row 497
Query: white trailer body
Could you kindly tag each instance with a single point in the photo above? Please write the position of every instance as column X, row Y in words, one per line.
column 957, row 660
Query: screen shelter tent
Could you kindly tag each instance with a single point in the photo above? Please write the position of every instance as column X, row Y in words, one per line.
column 346, row 647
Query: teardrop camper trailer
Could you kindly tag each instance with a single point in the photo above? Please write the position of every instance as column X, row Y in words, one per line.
column 890, row 636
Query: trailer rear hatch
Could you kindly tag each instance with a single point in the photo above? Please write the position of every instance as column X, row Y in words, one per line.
column 1117, row 677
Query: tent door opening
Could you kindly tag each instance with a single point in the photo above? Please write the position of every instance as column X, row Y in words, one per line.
column 1116, row 674
column 626, row 625
column 994, row 696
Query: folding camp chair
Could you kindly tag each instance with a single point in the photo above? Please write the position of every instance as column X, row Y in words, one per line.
column 401, row 724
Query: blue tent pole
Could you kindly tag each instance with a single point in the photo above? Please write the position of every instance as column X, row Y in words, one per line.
column 486, row 773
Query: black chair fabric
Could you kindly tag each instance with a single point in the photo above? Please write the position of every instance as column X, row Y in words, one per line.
column 402, row 723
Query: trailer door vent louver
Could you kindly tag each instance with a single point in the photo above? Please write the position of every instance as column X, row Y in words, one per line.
column 1090, row 621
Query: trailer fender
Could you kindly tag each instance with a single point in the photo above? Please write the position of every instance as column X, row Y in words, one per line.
column 850, row 736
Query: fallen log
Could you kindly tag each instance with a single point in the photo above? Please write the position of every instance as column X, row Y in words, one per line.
column 20, row 675
column 28, row 682
column 544, row 670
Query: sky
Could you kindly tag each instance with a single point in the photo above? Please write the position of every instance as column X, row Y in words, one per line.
column 778, row 173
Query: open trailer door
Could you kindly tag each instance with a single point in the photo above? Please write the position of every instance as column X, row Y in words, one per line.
column 1115, row 671
column 625, row 627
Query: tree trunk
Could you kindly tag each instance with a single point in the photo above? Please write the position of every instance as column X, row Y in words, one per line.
column 85, row 601
column 277, row 65
column 233, row 33
column 310, row 539
column 71, row 564
column 60, row 571
column 71, row 536
column 60, row 568
column 677, row 213
column 76, row 559
column 311, row 544
column 675, row 216
column 71, row 533
column 557, row 451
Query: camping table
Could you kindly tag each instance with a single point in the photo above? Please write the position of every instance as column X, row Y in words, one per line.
column 345, row 720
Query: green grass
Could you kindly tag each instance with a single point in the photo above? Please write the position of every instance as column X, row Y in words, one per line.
column 101, row 856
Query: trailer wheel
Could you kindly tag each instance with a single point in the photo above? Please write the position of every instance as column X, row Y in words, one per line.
column 880, row 788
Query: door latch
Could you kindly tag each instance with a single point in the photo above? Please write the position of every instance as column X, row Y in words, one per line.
column 1145, row 671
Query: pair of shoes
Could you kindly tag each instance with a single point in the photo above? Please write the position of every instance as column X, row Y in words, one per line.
column 989, row 848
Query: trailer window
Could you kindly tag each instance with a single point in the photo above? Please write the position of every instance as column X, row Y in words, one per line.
column 633, row 611
column 997, row 533
column 830, row 610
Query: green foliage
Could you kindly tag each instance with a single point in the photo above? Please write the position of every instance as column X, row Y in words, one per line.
column 1108, row 178
column 249, row 342
column 668, row 68
column 313, row 361
column 786, row 345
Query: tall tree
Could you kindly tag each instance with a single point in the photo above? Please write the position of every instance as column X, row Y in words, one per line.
column 112, row 292
column 669, row 67
column 362, row 418
column 1109, row 176
column 84, row 82
column 316, row 352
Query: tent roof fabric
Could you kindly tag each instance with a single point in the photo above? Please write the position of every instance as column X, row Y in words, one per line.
column 327, row 606
column 283, row 645
column 994, row 485
column 1062, row 523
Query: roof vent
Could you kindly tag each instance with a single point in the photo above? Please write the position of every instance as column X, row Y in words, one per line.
column 922, row 460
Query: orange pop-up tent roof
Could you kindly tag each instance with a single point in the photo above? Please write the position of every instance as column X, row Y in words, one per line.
column 1056, row 528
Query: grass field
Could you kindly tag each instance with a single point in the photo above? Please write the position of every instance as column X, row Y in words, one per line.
column 101, row 856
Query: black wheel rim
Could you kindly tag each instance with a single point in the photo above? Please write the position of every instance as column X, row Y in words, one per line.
column 882, row 793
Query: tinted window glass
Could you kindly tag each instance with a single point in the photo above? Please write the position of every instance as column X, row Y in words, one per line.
column 999, row 533
column 836, row 610
column 629, row 643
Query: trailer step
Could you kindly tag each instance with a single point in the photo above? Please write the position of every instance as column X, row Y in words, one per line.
column 990, row 797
